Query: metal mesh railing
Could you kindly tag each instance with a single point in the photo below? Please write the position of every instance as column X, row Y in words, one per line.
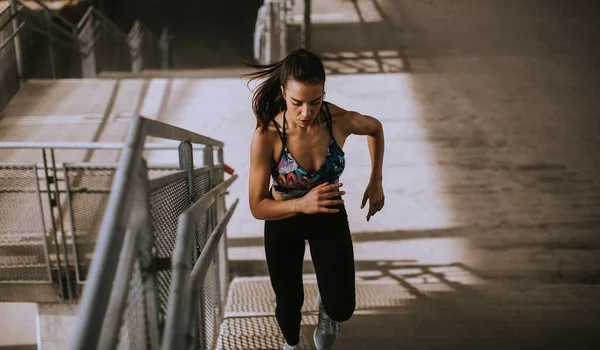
column 109, row 44
column 166, row 204
column 23, row 242
column 50, row 216
column 30, row 30
column 134, row 331
column 9, row 75
column 145, row 47
column 141, row 263
column 271, row 30
column 88, row 190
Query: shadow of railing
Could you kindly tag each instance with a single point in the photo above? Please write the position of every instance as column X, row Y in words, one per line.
column 362, row 46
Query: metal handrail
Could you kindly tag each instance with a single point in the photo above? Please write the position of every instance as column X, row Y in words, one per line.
column 12, row 36
column 9, row 20
column 7, row 8
column 54, row 14
column 85, row 145
column 92, row 11
column 95, row 300
column 53, row 25
column 25, row 9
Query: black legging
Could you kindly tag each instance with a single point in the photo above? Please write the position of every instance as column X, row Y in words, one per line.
column 333, row 259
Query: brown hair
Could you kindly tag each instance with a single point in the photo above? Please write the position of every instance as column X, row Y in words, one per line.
column 267, row 101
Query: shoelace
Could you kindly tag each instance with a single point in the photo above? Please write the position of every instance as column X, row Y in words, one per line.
column 328, row 325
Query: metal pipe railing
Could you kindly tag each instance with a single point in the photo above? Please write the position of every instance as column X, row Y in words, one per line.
column 94, row 301
column 82, row 40
column 54, row 14
column 121, row 217
column 86, row 145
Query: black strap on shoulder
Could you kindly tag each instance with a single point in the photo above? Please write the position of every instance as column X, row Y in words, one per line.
column 328, row 118
column 277, row 127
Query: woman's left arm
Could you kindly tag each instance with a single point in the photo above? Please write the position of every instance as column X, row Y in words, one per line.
column 359, row 124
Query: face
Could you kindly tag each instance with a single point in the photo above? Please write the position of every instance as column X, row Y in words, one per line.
column 303, row 101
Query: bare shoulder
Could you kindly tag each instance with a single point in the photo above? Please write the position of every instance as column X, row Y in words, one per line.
column 352, row 122
column 342, row 118
column 337, row 113
column 265, row 141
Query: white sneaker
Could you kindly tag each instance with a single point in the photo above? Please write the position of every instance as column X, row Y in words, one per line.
column 289, row 347
column 327, row 329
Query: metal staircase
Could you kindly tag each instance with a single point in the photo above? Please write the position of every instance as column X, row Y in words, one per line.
column 100, row 209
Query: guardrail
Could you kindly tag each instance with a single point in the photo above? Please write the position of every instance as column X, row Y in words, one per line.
column 156, row 235
column 51, row 207
column 271, row 30
column 95, row 44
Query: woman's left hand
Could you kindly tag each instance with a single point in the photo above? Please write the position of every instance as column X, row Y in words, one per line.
column 373, row 193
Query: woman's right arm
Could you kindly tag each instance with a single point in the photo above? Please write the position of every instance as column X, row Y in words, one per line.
column 265, row 208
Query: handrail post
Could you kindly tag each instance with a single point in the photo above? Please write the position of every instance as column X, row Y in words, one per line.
column 17, row 42
column 307, row 26
column 148, row 260
column 222, row 258
column 88, row 57
column 186, row 162
column 48, row 16
column 136, row 47
column 272, row 42
column 165, row 49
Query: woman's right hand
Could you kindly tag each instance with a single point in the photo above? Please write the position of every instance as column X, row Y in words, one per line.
column 319, row 198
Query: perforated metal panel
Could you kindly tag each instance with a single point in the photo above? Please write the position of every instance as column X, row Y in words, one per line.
column 211, row 312
column 23, row 245
column 134, row 332
column 89, row 192
column 167, row 203
column 9, row 77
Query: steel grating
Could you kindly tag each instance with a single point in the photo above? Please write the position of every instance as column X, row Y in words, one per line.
column 255, row 295
column 260, row 333
column 134, row 332
column 22, row 229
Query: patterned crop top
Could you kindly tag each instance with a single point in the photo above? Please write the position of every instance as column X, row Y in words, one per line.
column 290, row 180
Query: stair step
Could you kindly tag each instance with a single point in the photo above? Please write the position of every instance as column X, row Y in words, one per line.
column 421, row 314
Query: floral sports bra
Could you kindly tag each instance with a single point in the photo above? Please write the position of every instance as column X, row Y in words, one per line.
column 290, row 180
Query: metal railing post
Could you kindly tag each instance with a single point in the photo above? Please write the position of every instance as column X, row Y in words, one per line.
column 307, row 26
column 282, row 28
column 272, row 40
column 208, row 160
column 88, row 47
column 48, row 16
column 148, row 260
column 51, row 203
column 165, row 49
column 17, row 42
column 223, row 268
column 136, row 47
column 186, row 162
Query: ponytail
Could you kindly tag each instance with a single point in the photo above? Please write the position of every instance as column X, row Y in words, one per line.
column 268, row 100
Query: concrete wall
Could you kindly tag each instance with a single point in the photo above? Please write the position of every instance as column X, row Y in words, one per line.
column 17, row 324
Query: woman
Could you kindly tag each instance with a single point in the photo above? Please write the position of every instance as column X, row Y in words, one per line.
column 298, row 144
